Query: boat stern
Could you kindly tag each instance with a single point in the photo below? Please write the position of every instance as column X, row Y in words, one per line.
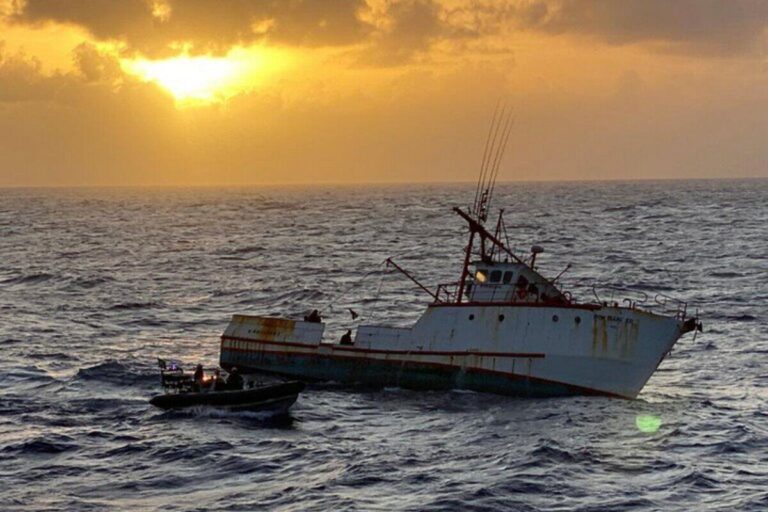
column 245, row 330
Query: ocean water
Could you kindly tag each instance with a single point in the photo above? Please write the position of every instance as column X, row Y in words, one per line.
column 96, row 283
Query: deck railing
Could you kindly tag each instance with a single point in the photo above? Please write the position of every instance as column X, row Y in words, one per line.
column 446, row 292
column 604, row 295
column 500, row 293
column 638, row 299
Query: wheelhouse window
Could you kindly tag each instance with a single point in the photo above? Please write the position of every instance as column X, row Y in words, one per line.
column 496, row 276
column 481, row 275
column 508, row 277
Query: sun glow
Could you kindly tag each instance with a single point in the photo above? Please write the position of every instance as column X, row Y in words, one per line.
column 202, row 79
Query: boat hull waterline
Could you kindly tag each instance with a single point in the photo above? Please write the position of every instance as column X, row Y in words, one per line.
column 513, row 350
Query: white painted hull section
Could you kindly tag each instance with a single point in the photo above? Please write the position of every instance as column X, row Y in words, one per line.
column 608, row 350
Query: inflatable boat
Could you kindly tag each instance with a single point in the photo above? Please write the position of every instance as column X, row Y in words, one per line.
column 275, row 398
column 183, row 390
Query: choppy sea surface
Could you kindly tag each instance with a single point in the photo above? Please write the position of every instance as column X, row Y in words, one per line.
column 96, row 283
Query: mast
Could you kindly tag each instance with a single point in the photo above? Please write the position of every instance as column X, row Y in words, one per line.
column 476, row 227
column 465, row 270
column 495, row 146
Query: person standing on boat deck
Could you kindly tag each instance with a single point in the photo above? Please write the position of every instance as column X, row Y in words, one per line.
column 313, row 317
column 235, row 380
column 199, row 377
column 218, row 382
column 346, row 338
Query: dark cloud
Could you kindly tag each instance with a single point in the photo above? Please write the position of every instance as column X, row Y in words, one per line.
column 312, row 22
column 21, row 80
column 158, row 27
column 410, row 27
column 713, row 26
column 94, row 65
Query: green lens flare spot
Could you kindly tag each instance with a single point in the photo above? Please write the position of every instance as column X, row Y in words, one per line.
column 648, row 423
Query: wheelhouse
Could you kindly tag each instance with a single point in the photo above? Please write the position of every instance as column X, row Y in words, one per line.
column 493, row 281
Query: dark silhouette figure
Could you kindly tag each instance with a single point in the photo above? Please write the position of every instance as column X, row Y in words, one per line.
column 235, row 380
column 346, row 339
column 218, row 382
column 198, row 378
column 313, row 317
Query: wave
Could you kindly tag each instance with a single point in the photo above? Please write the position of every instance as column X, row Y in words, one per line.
column 42, row 445
column 134, row 305
column 28, row 373
column 55, row 356
column 30, row 279
column 115, row 372
column 553, row 454
column 86, row 282
column 626, row 208
column 696, row 479
column 726, row 274
column 250, row 249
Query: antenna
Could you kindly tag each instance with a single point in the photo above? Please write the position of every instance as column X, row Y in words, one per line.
column 495, row 146
column 481, row 178
column 500, row 154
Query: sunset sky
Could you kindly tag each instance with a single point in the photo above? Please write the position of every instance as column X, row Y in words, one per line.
column 203, row 92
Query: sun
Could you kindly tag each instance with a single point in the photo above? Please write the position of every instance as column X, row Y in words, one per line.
column 206, row 79
column 202, row 79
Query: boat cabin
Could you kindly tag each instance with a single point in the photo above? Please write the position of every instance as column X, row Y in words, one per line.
column 493, row 281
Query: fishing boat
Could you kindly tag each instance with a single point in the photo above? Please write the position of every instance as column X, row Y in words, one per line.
column 503, row 327
column 182, row 391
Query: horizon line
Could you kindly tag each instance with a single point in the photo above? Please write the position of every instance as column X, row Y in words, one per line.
column 370, row 183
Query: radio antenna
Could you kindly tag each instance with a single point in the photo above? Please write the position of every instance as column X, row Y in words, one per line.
column 500, row 154
column 495, row 146
column 484, row 163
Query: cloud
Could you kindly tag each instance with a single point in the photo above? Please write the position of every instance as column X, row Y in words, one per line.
column 400, row 29
column 387, row 31
column 405, row 29
column 95, row 65
column 159, row 27
column 686, row 26
column 21, row 79
column 585, row 111
column 416, row 124
column 84, row 126
column 713, row 27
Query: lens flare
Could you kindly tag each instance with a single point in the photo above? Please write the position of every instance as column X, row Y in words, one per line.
column 647, row 423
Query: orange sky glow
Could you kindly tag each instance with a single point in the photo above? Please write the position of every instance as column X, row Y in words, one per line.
column 193, row 92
